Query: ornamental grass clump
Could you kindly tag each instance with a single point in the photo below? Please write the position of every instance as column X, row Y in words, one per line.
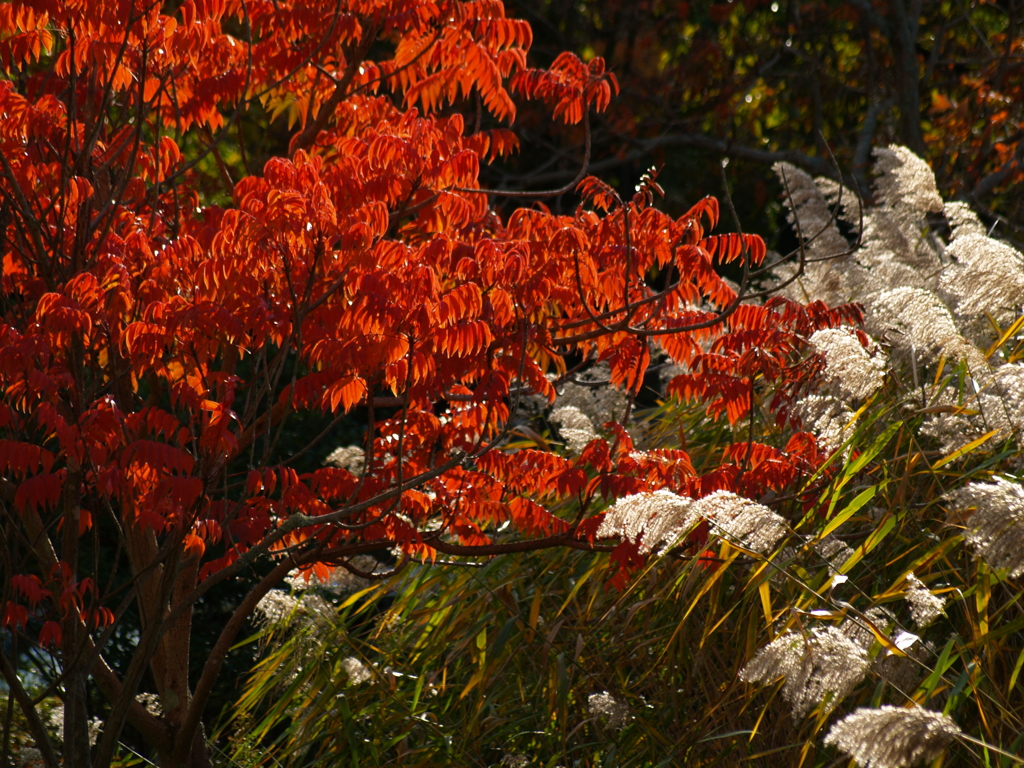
column 931, row 463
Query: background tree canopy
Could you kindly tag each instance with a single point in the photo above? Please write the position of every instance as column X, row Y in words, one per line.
column 759, row 82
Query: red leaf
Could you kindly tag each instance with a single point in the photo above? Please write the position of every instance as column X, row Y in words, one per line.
column 50, row 634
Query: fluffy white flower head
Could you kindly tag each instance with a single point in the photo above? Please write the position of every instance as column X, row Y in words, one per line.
column 827, row 418
column 906, row 180
column 650, row 519
column 660, row 517
column 609, row 709
column 822, row 667
column 340, row 581
column 356, row 672
column 987, row 279
column 918, row 319
column 574, row 426
column 743, row 521
column 276, row 606
column 995, row 531
column 350, row 457
column 962, row 219
column 893, row 737
column 599, row 403
column 809, row 207
column 850, row 370
column 924, row 606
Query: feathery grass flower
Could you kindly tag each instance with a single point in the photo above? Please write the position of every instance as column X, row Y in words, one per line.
column 827, row 418
column 650, row 519
column 574, row 426
column 821, row 667
column 341, row 581
column 905, row 180
column 850, row 370
column 745, row 522
column 834, row 551
column 608, row 708
column 995, row 530
column 859, row 633
column 350, row 457
column 151, row 703
column 809, row 207
column 356, row 672
column 658, row 518
column 913, row 318
column 962, row 220
column 275, row 607
column 924, row 606
column 986, row 281
column 892, row 737
column 599, row 401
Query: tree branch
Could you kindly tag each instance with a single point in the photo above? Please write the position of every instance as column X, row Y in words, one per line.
column 35, row 725
column 818, row 166
column 988, row 184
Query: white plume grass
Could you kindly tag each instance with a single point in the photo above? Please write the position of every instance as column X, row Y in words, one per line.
column 820, row 667
column 851, row 372
column 924, row 606
column 650, row 519
column 350, row 457
column 995, row 529
column 893, row 737
column 659, row 518
column 609, row 709
column 574, row 426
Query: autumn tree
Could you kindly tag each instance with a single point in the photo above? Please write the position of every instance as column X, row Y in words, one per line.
column 168, row 314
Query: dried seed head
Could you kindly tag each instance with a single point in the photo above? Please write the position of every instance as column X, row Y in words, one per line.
column 609, row 709
column 822, row 667
column 905, row 181
column 984, row 285
column 904, row 673
column 858, row 631
column 918, row 320
column 151, row 703
column 834, row 551
column 275, row 607
column 850, row 371
column 574, row 426
column 827, row 418
column 659, row 518
column 598, row 403
column 893, row 737
column 995, row 531
column 650, row 519
column 812, row 211
column 743, row 521
column 356, row 671
column 962, row 220
column 341, row 580
column 924, row 606
column 1000, row 406
column 350, row 457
